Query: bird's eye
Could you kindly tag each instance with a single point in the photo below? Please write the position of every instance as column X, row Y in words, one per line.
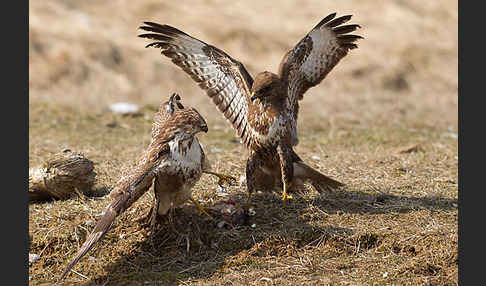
column 263, row 90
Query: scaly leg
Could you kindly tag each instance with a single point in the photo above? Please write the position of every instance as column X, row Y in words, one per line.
column 149, row 220
column 145, row 220
column 223, row 178
column 287, row 169
column 155, row 215
column 153, row 219
column 251, row 167
column 248, row 200
column 200, row 208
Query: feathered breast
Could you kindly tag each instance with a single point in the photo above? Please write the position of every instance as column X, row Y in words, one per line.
column 267, row 130
column 186, row 153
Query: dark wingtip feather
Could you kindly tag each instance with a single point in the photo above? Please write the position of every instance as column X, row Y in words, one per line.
column 325, row 20
column 154, row 36
column 151, row 45
column 346, row 28
column 347, row 38
column 159, row 45
column 339, row 21
column 349, row 46
column 162, row 29
column 144, row 36
column 145, row 28
column 329, row 17
column 153, row 24
column 152, row 27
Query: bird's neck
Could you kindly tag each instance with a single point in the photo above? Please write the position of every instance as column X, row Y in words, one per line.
column 184, row 144
column 276, row 103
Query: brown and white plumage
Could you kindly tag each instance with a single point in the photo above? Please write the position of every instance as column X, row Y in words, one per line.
column 174, row 160
column 263, row 111
column 225, row 80
column 166, row 109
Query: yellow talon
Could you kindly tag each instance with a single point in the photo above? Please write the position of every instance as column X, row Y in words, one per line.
column 248, row 201
column 286, row 196
column 223, row 178
column 201, row 208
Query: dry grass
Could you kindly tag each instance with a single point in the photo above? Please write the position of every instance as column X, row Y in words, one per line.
column 384, row 122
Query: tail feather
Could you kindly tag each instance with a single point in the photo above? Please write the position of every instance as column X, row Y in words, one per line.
column 129, row 189
column 101, row 228
column 319, row 181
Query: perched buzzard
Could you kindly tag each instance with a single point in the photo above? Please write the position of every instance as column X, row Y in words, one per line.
column 174, row 160
column 263, row 111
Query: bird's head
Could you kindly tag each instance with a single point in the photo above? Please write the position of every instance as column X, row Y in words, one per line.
column 190, row 121
column 266, row 85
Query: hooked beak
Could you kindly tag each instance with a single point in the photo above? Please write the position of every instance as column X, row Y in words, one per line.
column 253, row 96
column 204, row 128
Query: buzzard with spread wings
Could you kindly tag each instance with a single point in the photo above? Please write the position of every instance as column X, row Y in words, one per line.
column 263, row 110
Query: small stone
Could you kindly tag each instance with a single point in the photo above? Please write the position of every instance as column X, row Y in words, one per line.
column 216, row 150
column 221, row 224
column 221, row 191
column 450, row 134
column 33, row 257
column 242, row 180
column 227, row 210
column 111, row 124
column 123, row 108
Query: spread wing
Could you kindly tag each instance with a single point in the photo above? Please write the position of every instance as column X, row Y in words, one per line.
column 308, row 63
column 225, row 79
